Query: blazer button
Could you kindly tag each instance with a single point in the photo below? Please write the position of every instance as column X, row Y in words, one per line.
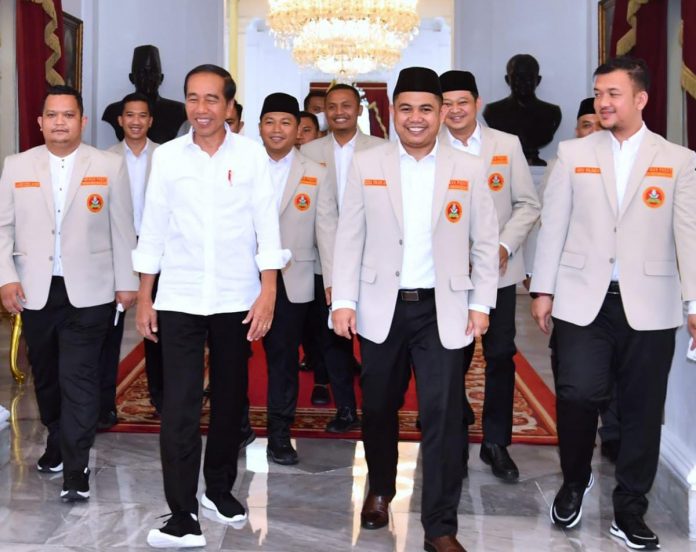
column 612, row 260
column 398, row 273
column 50, row 258
column 401, row 242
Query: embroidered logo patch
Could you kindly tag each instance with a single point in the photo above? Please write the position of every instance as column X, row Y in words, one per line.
column 666, row 172
column 95, row 202
column 496, row 182
column 499, row 160
column 374, row 182
column 302, row 202
column 27, row 184
column 453, row 211
column 309, row 180
column 94, row 181
column 654, row 197
column 459, row 185
column 587, row 170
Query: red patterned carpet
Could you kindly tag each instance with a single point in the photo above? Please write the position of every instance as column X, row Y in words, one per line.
column 534, row 411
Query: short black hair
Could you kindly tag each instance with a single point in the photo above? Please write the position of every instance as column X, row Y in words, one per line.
column 229, row 88
column 636, row 68
column 313, row 94
column 136, row 97
column 63, row 90
column 239, row 108
column 341, row 86
column 312, row 117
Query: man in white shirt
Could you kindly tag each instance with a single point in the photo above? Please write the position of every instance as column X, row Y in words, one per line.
column 136, row 150
column 306, row 223
column 210, row 226
column 416, row 215
column 517, row 206
column 615, row 261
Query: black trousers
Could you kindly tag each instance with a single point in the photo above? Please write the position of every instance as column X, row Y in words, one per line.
column 108, row 362
column 153, row 364
column 498, row 350
column 591, row 360
column 64, row 345
column 281, row 344
column 385, row 376
column 312, row 333
column 183, row 343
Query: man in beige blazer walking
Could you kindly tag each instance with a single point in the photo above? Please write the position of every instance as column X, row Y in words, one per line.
column 66, row 231
column 615, row 261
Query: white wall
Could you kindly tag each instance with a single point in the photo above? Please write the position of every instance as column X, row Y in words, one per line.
column 8, row 81
column 560, row 34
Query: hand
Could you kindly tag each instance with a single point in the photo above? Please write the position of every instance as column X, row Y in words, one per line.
column 146, row 319
column 541, row 312
column 260, row 315
column 327, row 292
column 344, row 322
column 478, row 323
column 690, row 325
column 503, row 259
column 12, row 296
column 126, row 298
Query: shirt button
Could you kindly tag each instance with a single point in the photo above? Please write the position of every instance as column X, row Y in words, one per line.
column 50, row 258
column 398, row 273
column 612, row 260
column 53, row 232
column 401, row 242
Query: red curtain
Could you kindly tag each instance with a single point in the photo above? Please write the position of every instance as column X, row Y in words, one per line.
column 689, row 67
column 32, row 75
column 650, row 44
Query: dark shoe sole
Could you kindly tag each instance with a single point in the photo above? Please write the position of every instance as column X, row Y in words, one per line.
column 371, row 525
column 281, row 461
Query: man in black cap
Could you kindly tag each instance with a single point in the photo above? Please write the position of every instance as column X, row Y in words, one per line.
column 587, row 119
column 517, row 206
column 307, row 219
column 415, row 214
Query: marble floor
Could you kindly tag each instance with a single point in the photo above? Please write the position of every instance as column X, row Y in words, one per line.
column 314, row 506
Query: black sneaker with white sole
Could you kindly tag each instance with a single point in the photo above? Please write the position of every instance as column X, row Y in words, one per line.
column 226, row 507
column 632, row 530
column 51, row 460
column 181, row 530
column 75, row 486
column 566, row 509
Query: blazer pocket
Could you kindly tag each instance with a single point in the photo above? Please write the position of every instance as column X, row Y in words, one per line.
column 368, row 275
column 660, row 268
column 461, row 283
column 304, row 254
column 572, row 260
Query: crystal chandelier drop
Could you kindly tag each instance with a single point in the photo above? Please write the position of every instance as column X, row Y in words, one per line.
column 344, row 38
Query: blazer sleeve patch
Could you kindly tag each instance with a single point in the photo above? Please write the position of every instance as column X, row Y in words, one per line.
column 587, row 170
column 309, row 180
column 95, row 181
column 374, row 182
column 27, row 184
column 500, row 160
column 666, row 172
column 459, row 185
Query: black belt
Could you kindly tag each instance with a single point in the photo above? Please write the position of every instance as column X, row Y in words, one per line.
column 413, row 295
column 614, row 288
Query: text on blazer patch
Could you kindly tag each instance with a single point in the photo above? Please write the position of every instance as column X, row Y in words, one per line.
column 459, row 185
column 95, row 203
column 302, row 202
column 309, row 180
column 500, row 160
column 587, row 170
column 666, row 172
column 27, row 184
column 374, row 182
column 95, row 181
column 496, row 181
column 654, row 197
column 453, row 211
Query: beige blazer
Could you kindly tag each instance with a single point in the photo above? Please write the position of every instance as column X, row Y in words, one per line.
column 120, row 148
column 302, row 230
column 369, row 252
column 321, row 151
column 652, row 236
column 97, row 233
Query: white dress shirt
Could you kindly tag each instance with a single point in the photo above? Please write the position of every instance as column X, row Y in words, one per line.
column 473, row 144
column 279, row 175
column 210, row 225
column 61, row 172
column 343, row 155
column 137, row 174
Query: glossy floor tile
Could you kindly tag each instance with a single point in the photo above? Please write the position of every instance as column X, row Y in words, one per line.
column 313, row 506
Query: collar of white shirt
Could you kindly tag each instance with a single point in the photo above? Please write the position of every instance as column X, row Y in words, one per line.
column 189, row 143
column 473, row 141
column 631, row 144
column 128, row 150
column 350, row 143
column 403, row 153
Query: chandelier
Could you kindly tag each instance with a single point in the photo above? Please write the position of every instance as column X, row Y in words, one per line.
column 344, row 37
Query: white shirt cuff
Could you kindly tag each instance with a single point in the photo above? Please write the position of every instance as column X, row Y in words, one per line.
column 692, row 307
column 506, row 249
column 480, row 308
column 343, row 304
column 144, row 263
column 274, row 259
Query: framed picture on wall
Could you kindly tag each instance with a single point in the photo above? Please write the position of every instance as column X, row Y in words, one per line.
column 72, row 50
column 606, row 21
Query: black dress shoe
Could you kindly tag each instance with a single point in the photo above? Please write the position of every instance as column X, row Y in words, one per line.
column 248, row 437
column 610, row 450
column 375, row 511
column 107, row 420
column 304, row 365
column 320, row 395
column 346, row 420
column 282, row 452
column 497, row 457
column 446, row 543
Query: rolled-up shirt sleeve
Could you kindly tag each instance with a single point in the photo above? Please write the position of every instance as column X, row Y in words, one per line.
column 270, row 254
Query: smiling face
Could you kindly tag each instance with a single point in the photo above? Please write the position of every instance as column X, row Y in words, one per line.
column 619, row 103
column 61, row 124
column 417, row 117
column 306, row 132
column 460, row 111
column 135, row 120
column 206, row 106
column 278, row 131
column 342, row 111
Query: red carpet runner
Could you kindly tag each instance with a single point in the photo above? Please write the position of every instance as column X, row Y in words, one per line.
column 534, row 409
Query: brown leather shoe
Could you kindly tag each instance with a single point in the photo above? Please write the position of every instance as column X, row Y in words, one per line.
column 375, row 511
column 447, row 543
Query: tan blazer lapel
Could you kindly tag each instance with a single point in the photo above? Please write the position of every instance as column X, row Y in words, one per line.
column 43, row 172
column 392, row 174
column 605, row 159
column 150, row 150
column 330, row 161
column 646, row 154
column 488, row 145
column 296, row 171
column 443, row 171
column 78, row 173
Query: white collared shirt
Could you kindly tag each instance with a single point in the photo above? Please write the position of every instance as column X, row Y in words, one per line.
column 343, row 155
column 280, row 170
column 473, row 144
column 137, row 174
column 624, row 155
column 61, row 172
column 210, row 225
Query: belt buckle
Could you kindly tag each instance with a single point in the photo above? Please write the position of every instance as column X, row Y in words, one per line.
column 410, row 295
